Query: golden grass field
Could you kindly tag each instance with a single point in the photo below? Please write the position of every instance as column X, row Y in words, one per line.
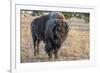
column 75, row 47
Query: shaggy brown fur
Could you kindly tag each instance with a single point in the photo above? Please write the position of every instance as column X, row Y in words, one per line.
column 52, row 29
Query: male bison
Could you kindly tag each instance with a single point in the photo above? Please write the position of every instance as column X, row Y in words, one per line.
column 52, row 29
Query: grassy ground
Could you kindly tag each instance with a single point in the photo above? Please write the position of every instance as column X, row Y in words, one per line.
column 75, row 47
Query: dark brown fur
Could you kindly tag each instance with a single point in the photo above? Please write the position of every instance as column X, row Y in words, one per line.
column 52, row 29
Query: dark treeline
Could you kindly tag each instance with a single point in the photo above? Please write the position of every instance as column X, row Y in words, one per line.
column 67, row 15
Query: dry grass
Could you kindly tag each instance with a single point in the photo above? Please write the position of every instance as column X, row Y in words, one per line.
column 75, row 47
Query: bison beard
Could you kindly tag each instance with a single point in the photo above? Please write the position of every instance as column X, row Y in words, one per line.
column 52, row 29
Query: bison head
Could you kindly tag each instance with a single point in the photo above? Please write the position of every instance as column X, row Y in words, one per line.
column 57, row 33
column 60, row 31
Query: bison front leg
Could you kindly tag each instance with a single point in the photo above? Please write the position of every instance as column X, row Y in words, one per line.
column 50, row 54
column 48, row 48
column 56, row 53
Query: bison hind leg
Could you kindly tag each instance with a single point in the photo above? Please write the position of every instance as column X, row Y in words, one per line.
column 38, row 42
column 34, row 42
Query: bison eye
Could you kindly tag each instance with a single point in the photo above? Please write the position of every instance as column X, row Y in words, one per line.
column 57, row 29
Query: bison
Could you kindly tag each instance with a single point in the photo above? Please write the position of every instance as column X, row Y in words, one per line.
column 52, row 29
